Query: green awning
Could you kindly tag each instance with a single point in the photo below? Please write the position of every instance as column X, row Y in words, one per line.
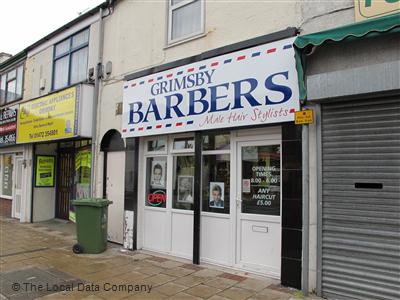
column 364, row 29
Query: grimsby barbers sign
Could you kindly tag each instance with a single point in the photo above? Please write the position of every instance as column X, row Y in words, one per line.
column 249, row 87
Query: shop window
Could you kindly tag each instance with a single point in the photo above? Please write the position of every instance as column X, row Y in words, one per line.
column 183, row 186
column 83, row 159
column 70, row 60
column 216, row 141
column 216, row 183
column 156, row 182
column 156, row 145
column 261, row 186
column 7, row 175
column 184, row 143
column 186, row 19
column 11, row 85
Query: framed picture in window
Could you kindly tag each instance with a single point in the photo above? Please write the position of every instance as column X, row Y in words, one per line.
column 157, row 178
column 216, row 195
column 185, row 189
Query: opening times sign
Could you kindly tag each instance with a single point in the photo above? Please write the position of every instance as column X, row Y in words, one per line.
column 249, row 87
column 261, row 179
column 8, row 126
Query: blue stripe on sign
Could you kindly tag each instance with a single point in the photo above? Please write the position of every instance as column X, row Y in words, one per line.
column 132, row 129
column 256, row 54
column 190, row 122
column 288, row 46
column 202, row 67
column 159, row 78
column 179, row 73
column 149, row 127
column 168, row 125
column 142, row 82
column 227, row 61
column 125, row 87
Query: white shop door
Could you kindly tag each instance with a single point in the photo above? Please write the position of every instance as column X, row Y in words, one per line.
column 115, row 193
column 16, row 202
column 258, row 206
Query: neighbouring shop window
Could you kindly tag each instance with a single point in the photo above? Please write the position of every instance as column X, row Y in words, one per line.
column 183, row 186
column 6, row 175
column 70, row 60
column 83, row 159
column 11, row 85
column 261, row 180
column 156, row 181
column 82, row 164
column 216, row 141
column 45, row 168
column 184, row 143
column 186, row 19
column 216, row 183
column 156, row 145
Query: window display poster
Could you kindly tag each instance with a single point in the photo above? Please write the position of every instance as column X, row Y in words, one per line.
column 45, row 167
column 7, row 175
column 246, row 186
column 185, row 189
column 157, row 179
column 82, row 178
column 217, row 194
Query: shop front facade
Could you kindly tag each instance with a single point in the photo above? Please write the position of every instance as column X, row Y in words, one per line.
column 14, row 166
column 355, row 96
column 14, row 177
column 175, row 158
column 58, row 130
column 218, row 158
column 54, row 120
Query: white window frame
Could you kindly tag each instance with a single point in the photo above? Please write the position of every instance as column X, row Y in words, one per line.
column 171, row 8
column 15, row 68
column 69, row 54
column 155, row 152
column 181, row 151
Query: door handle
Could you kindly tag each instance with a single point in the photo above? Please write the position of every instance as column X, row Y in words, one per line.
column 238, row 202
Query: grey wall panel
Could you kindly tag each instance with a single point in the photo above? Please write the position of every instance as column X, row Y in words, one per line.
column 354, row 81
column 361, row 199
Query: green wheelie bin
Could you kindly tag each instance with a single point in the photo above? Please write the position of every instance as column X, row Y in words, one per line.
column 91, row 225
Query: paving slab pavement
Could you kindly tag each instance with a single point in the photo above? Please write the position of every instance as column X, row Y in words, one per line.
column 38, row 263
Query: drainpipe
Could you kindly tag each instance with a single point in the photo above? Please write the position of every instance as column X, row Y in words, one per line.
column 306, row 207
column 98, row 75
column 33, row 167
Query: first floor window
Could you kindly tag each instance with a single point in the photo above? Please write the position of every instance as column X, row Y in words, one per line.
column 11, row 85
column 185, row 19
column 70, row 60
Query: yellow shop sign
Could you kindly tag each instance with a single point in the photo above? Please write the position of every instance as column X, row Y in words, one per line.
column 367, row 9
column 48, row 118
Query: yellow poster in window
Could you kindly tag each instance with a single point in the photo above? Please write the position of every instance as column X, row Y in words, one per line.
column 48, row 118
column 45, row 166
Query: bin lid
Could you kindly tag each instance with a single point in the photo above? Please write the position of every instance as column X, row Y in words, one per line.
column 97, row 202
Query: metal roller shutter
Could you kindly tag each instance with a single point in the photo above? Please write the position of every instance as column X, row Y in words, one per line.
column 361, row 199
